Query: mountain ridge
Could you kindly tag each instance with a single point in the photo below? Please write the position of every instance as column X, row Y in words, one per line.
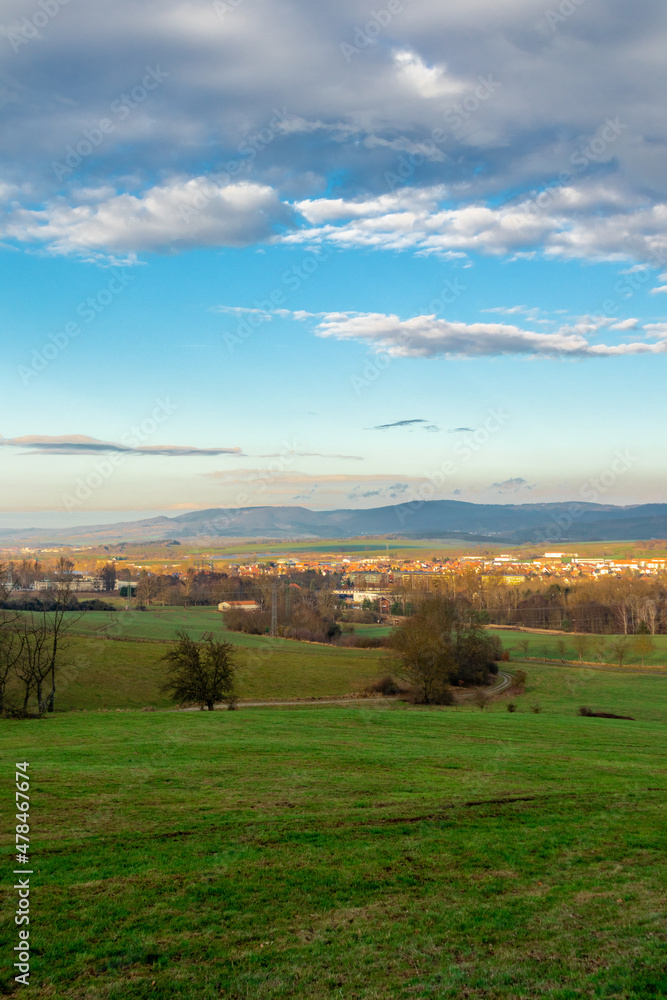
column 512, row 523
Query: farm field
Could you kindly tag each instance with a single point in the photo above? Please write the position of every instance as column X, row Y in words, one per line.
column 163, row 623
column 545, row 646
column 126, row 675
column 368, row 853
column 123, row 671
column 159, row 623
column 98, row 673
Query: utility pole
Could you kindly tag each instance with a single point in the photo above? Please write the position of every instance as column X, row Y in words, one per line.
column 274, row 609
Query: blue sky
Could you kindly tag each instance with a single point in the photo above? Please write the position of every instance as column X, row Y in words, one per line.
column 256, row 253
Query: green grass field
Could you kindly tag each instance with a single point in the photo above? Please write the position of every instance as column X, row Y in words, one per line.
column 163, row 623
column 544, row 646
column 104, row 668
column 366, row 853
column 99, row 673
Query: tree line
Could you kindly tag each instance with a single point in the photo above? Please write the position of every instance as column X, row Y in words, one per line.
column 31, row 647
column 625, row 605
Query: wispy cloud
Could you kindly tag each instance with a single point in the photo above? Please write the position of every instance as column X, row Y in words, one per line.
column 424, row 424
column 78, row 444
column 511, row 485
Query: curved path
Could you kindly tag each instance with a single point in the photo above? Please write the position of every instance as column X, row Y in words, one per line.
column 504, row 682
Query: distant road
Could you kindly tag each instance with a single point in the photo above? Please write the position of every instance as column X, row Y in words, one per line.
column 504, row 682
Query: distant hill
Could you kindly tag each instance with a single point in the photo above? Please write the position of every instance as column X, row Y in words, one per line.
column 547, row 523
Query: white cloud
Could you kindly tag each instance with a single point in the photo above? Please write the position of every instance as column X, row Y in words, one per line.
column 427, row 337
column 427, row 81
column 356, row 121
column 625, row 324
column 174, row 216
column 584, row 222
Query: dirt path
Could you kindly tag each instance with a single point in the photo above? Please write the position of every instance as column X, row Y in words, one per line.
column 504, row 681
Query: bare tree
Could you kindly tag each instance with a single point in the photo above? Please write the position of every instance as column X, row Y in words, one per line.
column 650, row 611
column 561, row 646
column 581, row 644
column 149, row 588
column 619, row 648
column 200, row 672
column 600, row 647
column 108, row 575
column 43, row 636
column 424, row 646
column 10, row 641
column 436, row 650
column 11, row 648
column 643, row 645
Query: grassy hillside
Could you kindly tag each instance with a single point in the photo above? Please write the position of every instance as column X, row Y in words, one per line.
column 163, row 623
column 367, row 854
column 545, row 646
column 101, row 673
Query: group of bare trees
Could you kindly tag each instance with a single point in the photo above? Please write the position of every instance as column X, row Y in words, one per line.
column 300, row 613
column 625, row 605
column 31, row 647
column 437, row 648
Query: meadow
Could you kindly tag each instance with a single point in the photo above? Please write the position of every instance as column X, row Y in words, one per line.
column 545, row 646
column 163, row 623
column 113, row 661
column 370, row 853
column 369, row 850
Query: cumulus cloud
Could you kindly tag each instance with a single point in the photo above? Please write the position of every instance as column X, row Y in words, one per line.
column 175, row 216
column 410, row 104
column 625, row 324
column 80, row 444
column 427, row 337
column 584, row 220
